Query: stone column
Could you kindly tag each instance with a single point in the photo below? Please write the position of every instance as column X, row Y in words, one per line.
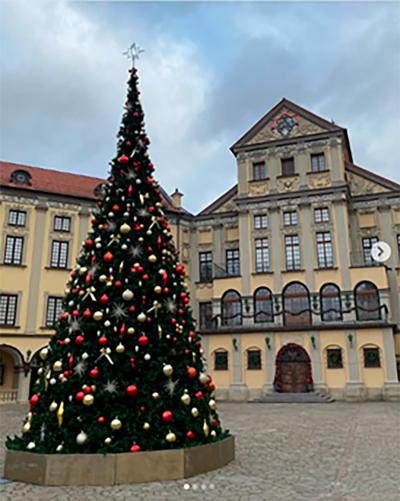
column 307, row 245
column 269, row 364
column 205, row 345
column 336, row 162
column 277, row 255
column 316, row 365
column 343, row 243
column 33, row 298
column 391, row 387
column 193, row 270
column 355, row 389
column 245, row 249
column 302, row 166
column 242, row 166
column 23, row 386
column 273, row 173
column 217, row 244
column 238, row 391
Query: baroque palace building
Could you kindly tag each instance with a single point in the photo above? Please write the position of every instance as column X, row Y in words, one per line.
column 284, row 286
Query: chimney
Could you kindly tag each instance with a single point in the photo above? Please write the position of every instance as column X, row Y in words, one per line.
column 177, row 198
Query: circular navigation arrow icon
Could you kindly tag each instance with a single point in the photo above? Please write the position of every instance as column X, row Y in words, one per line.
column 381, row 252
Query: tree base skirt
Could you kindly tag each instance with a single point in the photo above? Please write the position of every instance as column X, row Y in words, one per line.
column 123, row 468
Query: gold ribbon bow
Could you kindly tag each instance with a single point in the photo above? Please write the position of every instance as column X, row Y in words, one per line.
column 155, row 307
column 89, row 292
column 105, row 352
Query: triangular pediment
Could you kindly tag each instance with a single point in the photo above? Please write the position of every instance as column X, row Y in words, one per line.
column 286, row 120
column 225, row 203
column 363, row 182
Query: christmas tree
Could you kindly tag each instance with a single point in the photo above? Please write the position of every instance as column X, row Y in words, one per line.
column 124, row 370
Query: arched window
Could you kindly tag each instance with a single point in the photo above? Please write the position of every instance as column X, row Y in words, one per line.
column 263, row 305
column 221, row 360
column 231, row 308
column 331, row 303
column 296, row 300
column 366, row 297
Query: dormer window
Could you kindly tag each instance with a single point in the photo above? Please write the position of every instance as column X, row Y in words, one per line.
column 318, row 162
column 259, row 171
column 20, row 176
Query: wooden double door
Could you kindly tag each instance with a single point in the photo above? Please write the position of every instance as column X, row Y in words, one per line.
column 294, row 370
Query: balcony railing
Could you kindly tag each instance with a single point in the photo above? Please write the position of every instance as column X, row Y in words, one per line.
column 359, row 259
column 278, row 317
column 225, row 270
column 7, row 396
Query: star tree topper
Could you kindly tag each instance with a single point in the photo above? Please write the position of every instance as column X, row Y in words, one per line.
column 133, row 52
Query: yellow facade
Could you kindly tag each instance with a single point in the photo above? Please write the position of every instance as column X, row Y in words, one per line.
column 296, row 184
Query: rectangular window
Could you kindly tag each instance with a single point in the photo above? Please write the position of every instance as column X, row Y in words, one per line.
column 221, row 361
column 59, row 254
column 54, row 310
column 318, row 162
column 324, row 250
column 205, row 264
column 16, row 218
column 62, row 223
column 259, row 171
column 287, row 166
column 232, row 262
column 8, row 309
column 398, row 244
column 290, row 218
column 2, row 371
column 367, row 244
column 335, row 360
column 292, row 251
column 371, row 358
column 254, row 360
column 206, row 313
column 260, row 221
column 321, row 215
column 13, row 250
column 262, row 255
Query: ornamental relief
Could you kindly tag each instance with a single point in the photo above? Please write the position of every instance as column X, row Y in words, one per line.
column 227, row 207
column 297, row 127
column 257, row 189
column 361, row 186
column 288, row 184
column 319, row 180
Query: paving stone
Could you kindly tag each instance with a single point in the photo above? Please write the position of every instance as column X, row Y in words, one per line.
column 301, row 452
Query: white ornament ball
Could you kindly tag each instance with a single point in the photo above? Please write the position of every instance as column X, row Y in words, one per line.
column 31, row 445
column 142, row 317
column 115, row 424
column 71, row 303
column 44, row 353
column 107, row 323
column 81, row 438
column 120, row 348
column 53, row 406
column 53, row 380
column 59, row 448
column 124, row 246
column 85, row 356
column 202, row 378
column 111, row 214
column 127, row 295
column 168, row 370
column 98, row 246
column 147, row 357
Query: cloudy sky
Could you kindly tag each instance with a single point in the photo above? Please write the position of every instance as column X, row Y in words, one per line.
column 210, row 71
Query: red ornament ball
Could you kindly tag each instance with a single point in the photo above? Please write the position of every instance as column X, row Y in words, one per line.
column 212, row 386
column 101, row 420
column 190, row 434
column 108, row 257
column 123, row 159
column 102, row 341
column 94, row 373
column 115, row 208
column 136, row 114
column 79, row 339
column 199, row 395
column 143, row 408
column 118, row 284
column 87, row 390
column 143, row 340
column 89, row 243
column 87, row 313
column 80, row 396
column 167, row 416
column 103, row 299
column 75, row 313
column 132, row 308
column 192, row 373
column 34, row 400
column 131, row 390
column 135, row 448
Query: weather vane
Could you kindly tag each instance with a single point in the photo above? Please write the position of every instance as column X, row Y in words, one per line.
column 133, row 52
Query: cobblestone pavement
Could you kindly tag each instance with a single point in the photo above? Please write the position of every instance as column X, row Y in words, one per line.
column 293, row 452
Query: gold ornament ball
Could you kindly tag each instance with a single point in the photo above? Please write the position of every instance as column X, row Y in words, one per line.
column 31, row 445
column 115, row 424
column 26, row 427
column 201, row 351
column 140, row 239
column 67, row 340
column 212, row 404
column 40, row 371
column 98, row 315
column 131, row 330
column 93, row 387
column 157, row 289
column 142, row 317
column 100, row 227
column 146, row 426
column 185, row 399
column 127, row 295
column 202, row 378
column 165, row 232
column 107, row 440
column 171, row 437
column 152, row 258
column 59, row 448
column 57, row 366
column 125, row 228
column 120, row 348
column 213, row 433
column 195, row 412
column 82, row 270
column 155, row 395
column 168, row 336
column 44, row 353
column 53, row 406
column 61, row 376
column 88, row 400
column 81, row 293
column 168, row 370
column 103, row 278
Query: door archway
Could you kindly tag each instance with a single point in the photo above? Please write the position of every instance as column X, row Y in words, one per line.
column 293, row 370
